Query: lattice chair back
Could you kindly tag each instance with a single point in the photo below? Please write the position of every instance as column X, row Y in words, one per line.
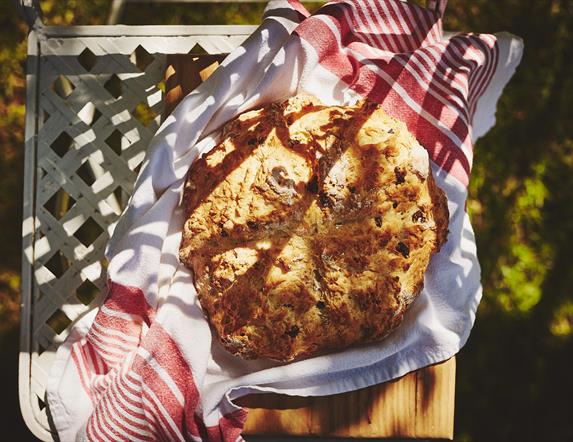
column 94, row 100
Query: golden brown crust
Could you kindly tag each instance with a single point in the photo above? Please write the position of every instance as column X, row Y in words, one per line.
column 310, row 227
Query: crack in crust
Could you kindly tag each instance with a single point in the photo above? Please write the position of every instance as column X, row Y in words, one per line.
column 309, row 228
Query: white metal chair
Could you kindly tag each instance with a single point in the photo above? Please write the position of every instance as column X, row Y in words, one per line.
column 95, row 95
column 94, row 99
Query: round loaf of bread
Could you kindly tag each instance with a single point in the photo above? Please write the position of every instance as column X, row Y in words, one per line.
column 309, row 228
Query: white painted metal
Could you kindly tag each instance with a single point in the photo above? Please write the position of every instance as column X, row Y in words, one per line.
column 147, row 31
column 94, row 96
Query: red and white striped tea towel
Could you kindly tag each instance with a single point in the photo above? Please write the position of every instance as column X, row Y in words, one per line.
column 145, row 365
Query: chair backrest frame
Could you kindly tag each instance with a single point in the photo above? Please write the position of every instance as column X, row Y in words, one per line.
column 94, row 100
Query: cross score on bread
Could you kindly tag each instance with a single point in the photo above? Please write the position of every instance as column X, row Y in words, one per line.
column 309, row 228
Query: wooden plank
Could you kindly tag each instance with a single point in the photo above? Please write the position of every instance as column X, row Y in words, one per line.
column 195, row 68
column 417, row 405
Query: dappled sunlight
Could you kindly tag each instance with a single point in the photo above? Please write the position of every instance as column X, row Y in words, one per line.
column 513, row 380
column 561, row 325
column 9, row 300
column 519, row 273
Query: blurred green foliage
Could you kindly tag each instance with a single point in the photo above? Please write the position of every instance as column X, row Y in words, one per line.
column 514, row 380
column 513, row 375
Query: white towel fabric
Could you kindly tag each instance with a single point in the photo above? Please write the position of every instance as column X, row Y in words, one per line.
column 145, row 366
